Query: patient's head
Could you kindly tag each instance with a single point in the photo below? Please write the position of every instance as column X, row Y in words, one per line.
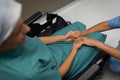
column 12, row 28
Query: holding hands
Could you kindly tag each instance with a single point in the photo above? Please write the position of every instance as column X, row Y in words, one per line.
column 72, row 35
column 79, row 40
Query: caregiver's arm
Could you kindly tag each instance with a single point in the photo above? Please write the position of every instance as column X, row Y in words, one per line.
column 96, row 28
column 65, row 66
column 67, row 37
column 110, row 50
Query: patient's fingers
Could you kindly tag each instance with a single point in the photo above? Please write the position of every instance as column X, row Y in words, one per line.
column 75, row 34
column 68, row 36
column 77, row 43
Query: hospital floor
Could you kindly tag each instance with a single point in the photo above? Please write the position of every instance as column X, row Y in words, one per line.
column 109, row 75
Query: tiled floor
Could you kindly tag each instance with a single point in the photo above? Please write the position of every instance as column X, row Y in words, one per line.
column 91, row 12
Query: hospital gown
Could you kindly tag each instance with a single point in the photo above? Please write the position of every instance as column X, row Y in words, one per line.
column 36, row 61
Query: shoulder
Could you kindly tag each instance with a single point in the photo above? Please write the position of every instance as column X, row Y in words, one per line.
column 115, row 22
column 118, row 47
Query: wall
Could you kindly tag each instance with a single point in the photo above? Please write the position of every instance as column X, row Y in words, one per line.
column 31, row 6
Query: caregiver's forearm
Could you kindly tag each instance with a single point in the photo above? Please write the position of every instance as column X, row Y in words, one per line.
column 52, row 39
column 110, row 50
column 64, row 68
column 96, row 28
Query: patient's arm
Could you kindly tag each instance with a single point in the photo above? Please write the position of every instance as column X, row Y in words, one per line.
column 52, row 39
column 65, row 66
column 91, row 42
column 71, row 35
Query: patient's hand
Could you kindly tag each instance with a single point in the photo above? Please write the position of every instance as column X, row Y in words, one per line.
column 72, row 35
column 77, row 43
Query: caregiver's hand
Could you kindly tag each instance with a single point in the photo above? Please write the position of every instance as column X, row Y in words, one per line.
column 86, row 41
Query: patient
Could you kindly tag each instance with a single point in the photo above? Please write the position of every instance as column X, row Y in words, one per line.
column 44, row 58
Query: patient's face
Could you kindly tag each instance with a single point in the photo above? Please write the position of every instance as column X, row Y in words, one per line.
column 17, row 37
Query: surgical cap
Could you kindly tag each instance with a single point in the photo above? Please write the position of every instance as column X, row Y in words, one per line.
column 10, row 11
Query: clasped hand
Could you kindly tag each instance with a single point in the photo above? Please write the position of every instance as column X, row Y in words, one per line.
column 78, row 39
